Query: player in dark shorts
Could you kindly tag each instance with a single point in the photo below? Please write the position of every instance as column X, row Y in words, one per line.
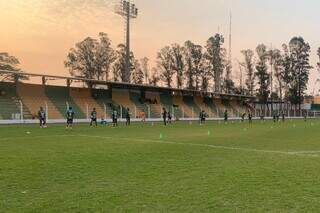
column 114, row 118
column 70, row 117
column 169, row 117
column 93, row 117
column 128, row 119
column 164, row 116
column 203, row 118
column 283, row 116
column 226, row 116
column 250, row 117
column 200, row 117
column 42, row 118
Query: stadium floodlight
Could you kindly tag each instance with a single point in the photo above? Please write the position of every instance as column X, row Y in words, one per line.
column 128, row 11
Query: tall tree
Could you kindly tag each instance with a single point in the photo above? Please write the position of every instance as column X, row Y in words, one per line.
column 145, row 69
column 10, row 63
column 206, row 75
column 262, row 74
column 318, row 64
column 154, row 78
column 165, row 64
column 178, row 63
column 91, row 58
column 194, row 64
column 299, row 68
column 137, row 74
column 119, row 66
column 215, row 55
column 278, row 67
column 248, row 65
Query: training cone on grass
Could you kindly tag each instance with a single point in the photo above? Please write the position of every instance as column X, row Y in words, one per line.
column 209, row 132
column 161, row 136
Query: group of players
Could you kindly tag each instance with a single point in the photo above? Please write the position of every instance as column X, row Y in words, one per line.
column 166, row 116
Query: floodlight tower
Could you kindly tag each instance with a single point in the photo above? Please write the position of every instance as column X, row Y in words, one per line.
column 128, row 11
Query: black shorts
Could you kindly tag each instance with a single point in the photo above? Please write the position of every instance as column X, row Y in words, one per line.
column 69, row 121
column 94, row 119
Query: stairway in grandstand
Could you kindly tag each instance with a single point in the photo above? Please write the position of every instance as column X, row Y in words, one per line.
column 34, row 97
column 137, row 99
column 10, row 105
column 82, row 97
column 195, row 109
column 184, row 108
column 60, row 97
column 122, row 98
column 200, row 102
column 103, row 98
column 153, row 100
column 215, row 106
column 167, row 102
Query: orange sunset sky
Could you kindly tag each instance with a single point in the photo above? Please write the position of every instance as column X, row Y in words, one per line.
column 40, row 32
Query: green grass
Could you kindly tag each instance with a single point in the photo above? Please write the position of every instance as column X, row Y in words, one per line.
column 265, row 167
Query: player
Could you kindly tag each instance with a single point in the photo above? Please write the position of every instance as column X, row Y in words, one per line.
column 164, row 116
column 243, row 116
column 169, row 118
column 70, row 117
column 305, row 116
column 93, row 117
column 42, row 118
column 200, row 118
column 283, row 116
column 128, row 117
column 114, row 118
column 203, row 118
column 274, row 117
column 226, row 116
column 250, row 117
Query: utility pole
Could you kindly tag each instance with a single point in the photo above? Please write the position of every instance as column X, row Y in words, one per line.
column 271, row 76
column 128, row 11
column 230, row 43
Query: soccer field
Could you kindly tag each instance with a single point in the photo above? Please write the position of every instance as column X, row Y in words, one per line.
column 234, row 167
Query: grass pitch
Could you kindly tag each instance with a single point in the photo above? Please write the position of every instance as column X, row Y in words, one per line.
column 234, row 167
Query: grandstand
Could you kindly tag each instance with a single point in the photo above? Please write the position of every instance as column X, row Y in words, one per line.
column 22, row 100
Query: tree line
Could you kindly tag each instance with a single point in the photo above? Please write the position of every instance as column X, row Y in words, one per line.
column 267, row 73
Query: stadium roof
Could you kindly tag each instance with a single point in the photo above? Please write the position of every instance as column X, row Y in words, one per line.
column 122, row 85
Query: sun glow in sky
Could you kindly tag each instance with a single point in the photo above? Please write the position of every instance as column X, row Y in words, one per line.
column 40, row 32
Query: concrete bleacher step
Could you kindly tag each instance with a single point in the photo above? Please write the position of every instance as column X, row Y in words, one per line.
column 60, row 97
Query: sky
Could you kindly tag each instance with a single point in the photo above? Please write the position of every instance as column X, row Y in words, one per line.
column 40, row 32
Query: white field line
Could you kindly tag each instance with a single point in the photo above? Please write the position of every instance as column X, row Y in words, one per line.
column 298, row 153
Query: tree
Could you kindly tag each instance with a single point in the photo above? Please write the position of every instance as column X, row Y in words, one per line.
column 194, row 61
column 206, row 75
column 165, row 64
column 10, row 63
column 318, row 64
column 278, row 67
column 262, row 74
column 145, row 69
column 119, row 66
column 298, row 68
column 248, row 65
column 154, row 79
column 91, row 58
column 178, row 63
column 215, row 55
column 228, row 84
column 137, row 74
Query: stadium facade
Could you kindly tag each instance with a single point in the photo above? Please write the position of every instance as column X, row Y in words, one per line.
column 20, row 101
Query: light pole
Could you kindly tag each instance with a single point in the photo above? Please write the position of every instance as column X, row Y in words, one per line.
column 128, row 11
